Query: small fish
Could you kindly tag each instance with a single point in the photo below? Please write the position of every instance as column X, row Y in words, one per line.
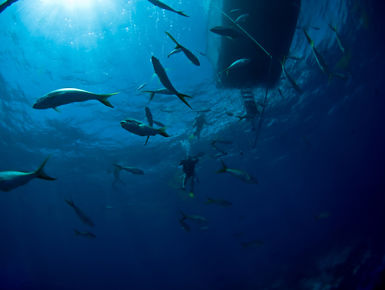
column 6, row 4
column 230, row 114
column 242, row 175
column 162, row 75
column 290, row 78
column 132, row 170
column 235, row 10
column 237, row 64
column 61, row 97
column 242, row 18
column 254, row 243
column 204, row 228
column 226, row 31
column 81, row 215
column 88, row 235
column 166, row 7
column 141, row 86
column 320, row 60
column 322, row 215
column 195, row 218
column 220, row 202
column 186, row 52
column 158, row 91
column 150, row 120
column 338, row 38
column 10, row 180
column 141, row 129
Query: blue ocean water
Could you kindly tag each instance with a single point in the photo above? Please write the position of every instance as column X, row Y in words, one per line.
column 317, row 211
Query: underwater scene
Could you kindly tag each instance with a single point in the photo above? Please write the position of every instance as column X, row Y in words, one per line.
column 206, row 144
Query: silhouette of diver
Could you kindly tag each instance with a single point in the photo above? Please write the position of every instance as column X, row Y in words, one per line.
column 198, row 125
column 189, row 172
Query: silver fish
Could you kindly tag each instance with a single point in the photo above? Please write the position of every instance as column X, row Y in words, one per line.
column 166, row 7
column 132, row 170
column 187, row 52
column 225, row 31
column 81, row 215
column 141, row 129
column 240, row 174
column 65, row 96
column 237, row 64
column 162, row 75
column 10, row 180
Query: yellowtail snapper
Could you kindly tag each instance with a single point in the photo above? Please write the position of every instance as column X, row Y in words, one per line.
column 10, row 180
column 187, row 52
column 166, row 7
column 162, row 75
column 66, row 96
column 240, row 174
column 80, row 214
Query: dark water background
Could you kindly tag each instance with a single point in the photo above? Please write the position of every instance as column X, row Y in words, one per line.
column 322, row 151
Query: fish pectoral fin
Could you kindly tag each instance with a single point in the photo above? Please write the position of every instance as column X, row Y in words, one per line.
column 56, row 109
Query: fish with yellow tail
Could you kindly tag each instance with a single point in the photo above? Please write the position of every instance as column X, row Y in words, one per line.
column 166, row 7
column 162, row 75
column 10, row 180
column 66, row 96
column 181, row 48
column 141, row 129
column 240, row 174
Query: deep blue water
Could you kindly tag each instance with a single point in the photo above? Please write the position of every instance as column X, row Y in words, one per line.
column 318, row 152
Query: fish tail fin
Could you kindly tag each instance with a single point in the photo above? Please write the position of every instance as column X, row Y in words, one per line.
column 104, row 99
column 40, row 171
column 148, row 138
column 181, row 13
column 162, row 131
column 223, row 169
column 183, row 97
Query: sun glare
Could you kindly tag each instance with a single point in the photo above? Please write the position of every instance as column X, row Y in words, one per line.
column 70, row 4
